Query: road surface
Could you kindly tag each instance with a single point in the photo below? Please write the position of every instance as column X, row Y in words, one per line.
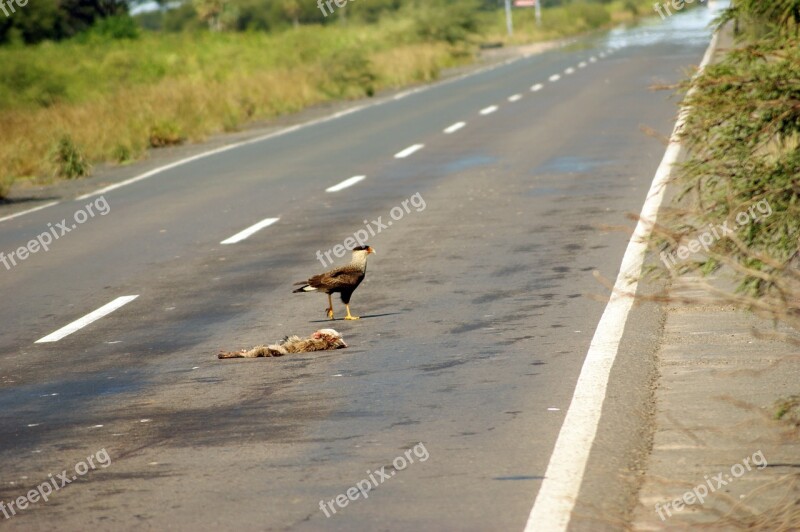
column 476, row 310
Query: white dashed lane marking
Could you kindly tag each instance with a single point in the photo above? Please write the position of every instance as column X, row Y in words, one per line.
column 489, row 110
column 346, row 183
column 86, row 320
column 515, row 98
column 554, row 77
column 455, row 127
column 408, row 151
column 253, row 229
column 537, row 87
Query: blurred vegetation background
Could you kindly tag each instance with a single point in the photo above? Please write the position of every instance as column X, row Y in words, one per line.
column 89, row 81
column 743, row 135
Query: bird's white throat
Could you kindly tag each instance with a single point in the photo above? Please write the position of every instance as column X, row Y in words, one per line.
column 360, row 258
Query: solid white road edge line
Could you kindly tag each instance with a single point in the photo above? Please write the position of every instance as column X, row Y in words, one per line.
column 86, row 320
column 23, row 213
column 241, row 235
column 408, row 151
column 488, row 110
column 346, row 183
column 455, row 127
column 555, row 501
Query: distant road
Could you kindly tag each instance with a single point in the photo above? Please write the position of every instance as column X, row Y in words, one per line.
column 475, row 320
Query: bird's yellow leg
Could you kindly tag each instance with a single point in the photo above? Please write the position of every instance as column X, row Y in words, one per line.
column 349, row 317
column 329, row 310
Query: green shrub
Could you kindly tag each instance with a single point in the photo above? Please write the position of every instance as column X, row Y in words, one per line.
column 31, row 83
column 165, row 133
column 744, row 140
column 69, row 160
column 112, row 28
column 762, row 17
column 592, row 15
column 122, row 153
column 350, row 73
column 449, row 22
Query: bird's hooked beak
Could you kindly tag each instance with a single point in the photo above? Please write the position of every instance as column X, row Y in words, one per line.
column 370, row 250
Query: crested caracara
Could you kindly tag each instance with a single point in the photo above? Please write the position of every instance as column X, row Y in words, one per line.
column 343, row 280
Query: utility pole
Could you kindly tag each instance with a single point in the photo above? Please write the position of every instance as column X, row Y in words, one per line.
column 538, row 12
column 509, row 23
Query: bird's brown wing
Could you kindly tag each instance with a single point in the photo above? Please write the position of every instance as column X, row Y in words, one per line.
column 339, row 279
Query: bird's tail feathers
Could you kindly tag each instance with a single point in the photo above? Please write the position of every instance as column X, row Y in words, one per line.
column 306, row 288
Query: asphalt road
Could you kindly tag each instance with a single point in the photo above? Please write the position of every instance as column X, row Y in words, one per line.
column 475, row 311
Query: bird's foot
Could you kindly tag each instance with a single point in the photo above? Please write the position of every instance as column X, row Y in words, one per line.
column 348, row 317
column 329, row 312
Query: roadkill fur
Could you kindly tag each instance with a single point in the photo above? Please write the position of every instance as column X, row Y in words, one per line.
column 322, row 340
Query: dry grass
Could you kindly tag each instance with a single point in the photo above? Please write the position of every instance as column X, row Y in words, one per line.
column 220, row 87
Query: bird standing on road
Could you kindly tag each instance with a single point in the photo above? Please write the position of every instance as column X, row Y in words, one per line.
column 344, row 280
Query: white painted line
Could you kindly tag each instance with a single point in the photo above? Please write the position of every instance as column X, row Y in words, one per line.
column 582, row 64
column 537, row 87
column 554, row 78
column 515, row 98
column 489, row 110
column 555, row 501
column 569, row 71
column 86, row 320
column 455, row 127
column 23, row 213
column 408, row 151
column 593, row 59
column 253, row 229
column 346, row 183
